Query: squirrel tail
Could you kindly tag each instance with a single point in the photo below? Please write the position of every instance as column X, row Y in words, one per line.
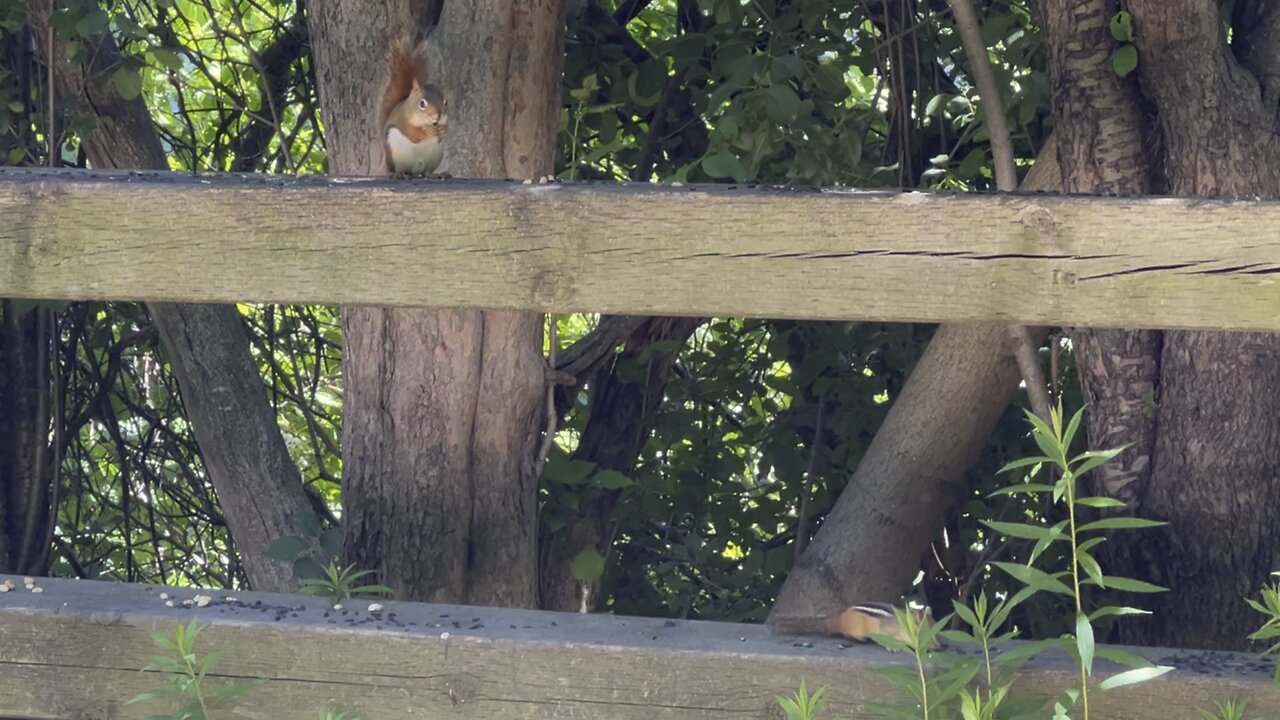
column 405, row 63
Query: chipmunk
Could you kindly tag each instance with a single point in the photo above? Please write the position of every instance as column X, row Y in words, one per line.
column 858, row 622
column 413, row 113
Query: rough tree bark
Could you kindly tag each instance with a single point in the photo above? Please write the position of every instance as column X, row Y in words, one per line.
column 912, row 472
column 443, row 408
column 26, row 468
column 1216, row 470
column 1103, row 149
column 258, row 486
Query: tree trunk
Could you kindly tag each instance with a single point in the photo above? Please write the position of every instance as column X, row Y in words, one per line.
column 1217, row 458
column 1098, row 118
column 443, row 408
column 1202, row 409
column 26, row 469
column 912, row 472
column 258, row 486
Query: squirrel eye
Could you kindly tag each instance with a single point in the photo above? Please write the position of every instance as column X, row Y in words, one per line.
column 422, row 104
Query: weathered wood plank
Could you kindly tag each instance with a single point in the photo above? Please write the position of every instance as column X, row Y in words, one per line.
column 642, row 249
column 75, row 651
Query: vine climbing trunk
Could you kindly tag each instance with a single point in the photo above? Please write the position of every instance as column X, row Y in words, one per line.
column 443, row 408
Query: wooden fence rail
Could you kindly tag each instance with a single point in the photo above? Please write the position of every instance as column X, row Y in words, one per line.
column 76, row 649
column 642, row 249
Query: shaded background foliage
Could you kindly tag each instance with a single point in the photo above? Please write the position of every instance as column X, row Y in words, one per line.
column 752, row 415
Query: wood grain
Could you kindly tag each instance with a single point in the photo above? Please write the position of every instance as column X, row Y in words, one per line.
column 643, row 249
column 77, row 648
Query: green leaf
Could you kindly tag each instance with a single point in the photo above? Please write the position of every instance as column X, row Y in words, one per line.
column 562, row 470
column 1007, row 606
column 211, row 659
column 1110, row 610
column 1015, row 656
column 1117, row 523
column 723, row 164
column 852, row 140
column 1130, row 677
column 307, row 568
column 1124, row 584
column 331, row 541
column 936, row 104
column 1125, row 60
column 93, row 22
column 1084, row 641
column 1035, row 577
column 287, row 548
column 904, row 678
column 151, row 695
column 967, row 615
column 1072, row 427
column 960, row 636
column 588, row 566
column 1023, row 488
column 128, row 83
column 1048, row 444
column 1122, row 27
column 1021, row 530
column 1099, row 502
column 1043, row 543
column 166, row 57
column 1090, row 566
column 1094, row 458
column 307, row 524
column 611, row 480
column 1023, row 462
column 783, row 103
column 129, row 26
column 1041, row 428
column 1089, row 543
column 953, row 681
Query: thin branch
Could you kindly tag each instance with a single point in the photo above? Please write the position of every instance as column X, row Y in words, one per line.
column 988, row 94
column 802, row 530
column 1006, row 181
column 550, row 437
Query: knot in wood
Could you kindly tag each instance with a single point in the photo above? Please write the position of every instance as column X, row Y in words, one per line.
column 1042, row 225
column 547, row 290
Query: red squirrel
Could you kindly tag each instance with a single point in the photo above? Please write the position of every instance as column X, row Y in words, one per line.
column 413, row 113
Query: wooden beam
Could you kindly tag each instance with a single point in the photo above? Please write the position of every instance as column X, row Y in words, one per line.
column 642, row 249
column 76, row 650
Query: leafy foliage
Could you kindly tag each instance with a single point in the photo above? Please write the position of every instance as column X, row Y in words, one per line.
column 186, row 673
column 339, row 584
column 955, row 684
